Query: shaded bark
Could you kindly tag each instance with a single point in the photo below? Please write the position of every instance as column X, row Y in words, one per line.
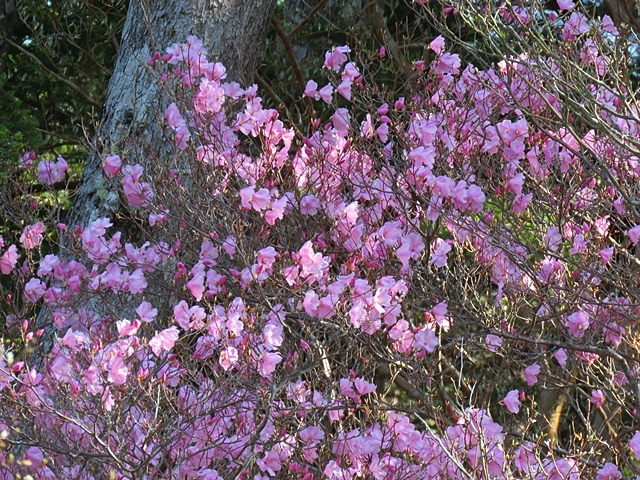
column 624, row 12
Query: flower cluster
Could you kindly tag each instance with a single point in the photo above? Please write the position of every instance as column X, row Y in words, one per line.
column 293, row 299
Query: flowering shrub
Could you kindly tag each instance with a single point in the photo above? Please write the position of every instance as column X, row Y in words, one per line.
column 388, row 297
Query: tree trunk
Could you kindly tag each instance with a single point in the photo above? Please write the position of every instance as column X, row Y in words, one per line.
column 233, row 32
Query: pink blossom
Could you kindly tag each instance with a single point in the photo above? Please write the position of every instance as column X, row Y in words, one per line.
column 493, row 342
column 50, row 172
column 425, row 338
column 363, row 387
column 411, row 248
column 35, row 456
column 634, row 443
column 309, row 205
column 344, row 88
column 229, row 246
column 164, row 340
column 268, row 364
column 311, row 434
column 32, row 235
column 189, row 318
column 146, row 312
column 575, row 26
column 440, row 252
column 228, row 357
column 553, row 238
column 336, row 57
column 447, row 63
column 246, row 194
column 597, row 398
column 127, row 327
column 112, row 165
column 525, row 460
column 530, row 374
column 578, row 323
column 326, row 93
column 346, row 388
column 9, row 260
column 260, row 199
column 561, row 357
column 118, row 371
column 566, row 4
column 196, row 286
column 634, row 234
column 606, row 254
column 437, row 44
column 341, row 120
column 608, row 26
column 137, row 282
column 34, row 289
column 512, row 401
column 608, row 472
column 439, row 312
column 311, row 90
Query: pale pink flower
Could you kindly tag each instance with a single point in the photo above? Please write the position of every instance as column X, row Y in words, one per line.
column 493, row 342
column 553, row 238
column 566, row 4
column 344, row 88
column 309, row 205
column 437, row 44
column 512, row 401
column 346, row 388
column 634, row 234
column 9, row 260
column 578, row 323
column 32, row 235
column 34, row 289
column 447, row 63
column 112, row 165
column 575, row 26
column 606, row 254
column 127, row 327
column 597, row 398
column 268, row 364
column 260, row 199
column 311, row 435
column 608, row 26
column 146, row 312
column 530, row 374
column 525, row 458
column 336, row 57
column 311, row 90
column 229, row 246
column 634, row 443
column 164, row 340
column 440, row 252
column 326, row 93
column 426, row 339
column 228, row 357
column 561, row 357
column 363, row 387
column 608, row 472
column 118, row 371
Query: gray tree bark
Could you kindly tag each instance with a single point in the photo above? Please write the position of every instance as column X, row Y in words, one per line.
column 233, row 32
